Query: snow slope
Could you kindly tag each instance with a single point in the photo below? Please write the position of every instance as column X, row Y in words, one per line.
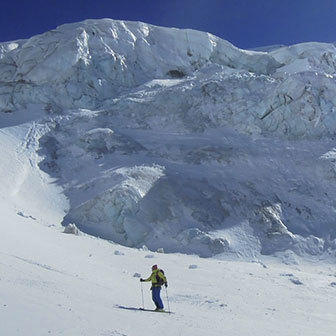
column 54, row 283
column 58, row 284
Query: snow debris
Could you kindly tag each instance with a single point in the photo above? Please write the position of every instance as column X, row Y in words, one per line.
column 296, row 281
column 193, row 266
column 259, row 262
column 71, row 229
column 20, row 213
column 292, row 278
column 287, row 257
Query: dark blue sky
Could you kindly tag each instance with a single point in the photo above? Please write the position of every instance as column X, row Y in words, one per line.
column 245, row 23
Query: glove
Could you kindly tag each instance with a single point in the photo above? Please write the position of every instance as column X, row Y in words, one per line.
column 142, row 280
column 166, row 284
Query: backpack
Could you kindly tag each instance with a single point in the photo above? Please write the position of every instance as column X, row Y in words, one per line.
column 159, row 280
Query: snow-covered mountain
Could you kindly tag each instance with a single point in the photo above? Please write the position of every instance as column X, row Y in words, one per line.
column 172, row 139
column 176, row 139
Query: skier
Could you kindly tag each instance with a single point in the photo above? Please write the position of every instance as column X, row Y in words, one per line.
column 158, row 279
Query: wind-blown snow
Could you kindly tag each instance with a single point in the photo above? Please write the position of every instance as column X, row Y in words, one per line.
column 177, row 139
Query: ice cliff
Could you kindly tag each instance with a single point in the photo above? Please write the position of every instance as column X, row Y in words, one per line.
column 177, row 139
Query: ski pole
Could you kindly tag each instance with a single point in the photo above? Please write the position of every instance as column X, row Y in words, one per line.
column 167, row 300
column 142, row 295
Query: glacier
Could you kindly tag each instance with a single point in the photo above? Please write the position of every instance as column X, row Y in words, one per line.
column 177, row 139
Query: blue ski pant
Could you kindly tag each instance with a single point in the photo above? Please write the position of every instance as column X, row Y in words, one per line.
column 156, row 297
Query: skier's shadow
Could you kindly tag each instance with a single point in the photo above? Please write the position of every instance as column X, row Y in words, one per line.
column 127, row 308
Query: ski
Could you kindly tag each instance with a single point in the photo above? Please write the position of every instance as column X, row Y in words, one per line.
column 143, row 309
column 155, row 311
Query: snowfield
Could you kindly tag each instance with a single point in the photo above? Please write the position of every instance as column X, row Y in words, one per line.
column 125, row 145
column 59, row 284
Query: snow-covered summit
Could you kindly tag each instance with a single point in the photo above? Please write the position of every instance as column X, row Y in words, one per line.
column 178, row 139
column 83, row 64
column 87, row 64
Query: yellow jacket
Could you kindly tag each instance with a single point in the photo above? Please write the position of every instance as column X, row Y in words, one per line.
column 157, row 277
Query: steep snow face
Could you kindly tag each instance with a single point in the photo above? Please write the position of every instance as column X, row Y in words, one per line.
column 81, row 65
column 177, row 139
column 206, row 193
column 289, row 91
